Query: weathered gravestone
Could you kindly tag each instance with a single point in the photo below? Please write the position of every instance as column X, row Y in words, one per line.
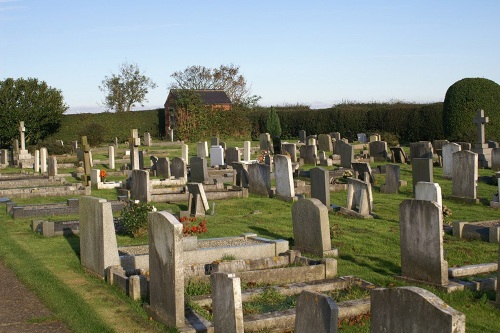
column 178, row 168
column 111, row 157
column 325, row 143
column 346, row 152
column 199, row 170
column 363, row 171
column 142, row 155
column 465, row 175
column 421, row 149
column 216, row 156
column 359, row 199
column 495, row 159
column 320, row 185
column 154, row 160
column 378, row 150
column 166, row 269
column 202, row 149
column 311, row 229
column 232, row 155
column 247, row 150
column 284, row 178
column 197, row 200
column 240, row 174
column 447, row 151
column 147, row 139
column 291, row 149
column 227, row 306
column 421, row 242
column 134, row 142
column 86, row 161
column 392, row 172
column 398, row 155
column 428, row 191
column 163, row 167
column 268, row 160
column 98, row 246
column 140, row 188
column 492, row 144
column 259, row 179
column 412, row 310
column 316, row 313
column 422, row 170
column 309, row 154
column 481, row 147
column 265, row 143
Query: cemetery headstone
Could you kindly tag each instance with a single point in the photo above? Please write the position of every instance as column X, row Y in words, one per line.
column 232, row 155
column 284, row 177
column 311, row 229
column 336, row 136
column 412, row 310
column 421, row 242
column 392, row 172
column 141, row 154
column 265, row 142
column 320, row 185
column 398, row 155
column 375, row 137
column 422, row 170
column 86, row 161
column 346, row 152
column 447, row 151
column 362, row 138
column 199, row 170
column 324, row 160
column 227, row 306
column 325, row 143
column 178, row 168
column 309, row 153
column 95, row 178
column 111, row 157
column 43, row 159
column 216, row 156
column 465, row 175
column 98, row 245
column 52, row 170
column 465, row 145
column 240, row 174
column 312, row 140
column 363, row 171
column 359, row 198
column 378, row 150
column 140, row 188
column 421, row 149
column 202, row 149
column 268, row 160
column 134, row 143
column 247, row 150
column 495, row 159
column 302, row 136
column 185, row 152
column 316, row 313
column 492, row 144
column 197, row 200
column 259, row 179
column 291, row 149
column 214, row 141
column 147, row 139
column 429, row 192
column 163, row 167
column 481, row 147
column 37, row 161
column 166, row 269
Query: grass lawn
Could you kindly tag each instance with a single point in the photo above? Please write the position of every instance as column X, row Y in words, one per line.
column 368, row 249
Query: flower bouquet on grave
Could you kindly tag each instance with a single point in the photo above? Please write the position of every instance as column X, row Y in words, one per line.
column 262, row 156
column 103, row 174
column 190, row 228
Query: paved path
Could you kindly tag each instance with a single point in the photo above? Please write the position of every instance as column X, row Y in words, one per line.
column 21, row 311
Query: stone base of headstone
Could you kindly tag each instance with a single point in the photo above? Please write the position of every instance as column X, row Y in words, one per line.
column 452, row 286
column 353, row 213
column 284, row 198
column 494, row 204
column 484, row 155
column 466, row 200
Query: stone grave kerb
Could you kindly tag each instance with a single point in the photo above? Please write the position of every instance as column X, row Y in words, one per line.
column 480, row 120
column 86, row 160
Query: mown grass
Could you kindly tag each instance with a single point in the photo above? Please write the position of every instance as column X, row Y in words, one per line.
column 368, row 249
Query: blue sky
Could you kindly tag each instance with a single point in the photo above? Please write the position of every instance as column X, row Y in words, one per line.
column 317, row 53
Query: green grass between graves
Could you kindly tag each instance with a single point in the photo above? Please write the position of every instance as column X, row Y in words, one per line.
column 368, row 249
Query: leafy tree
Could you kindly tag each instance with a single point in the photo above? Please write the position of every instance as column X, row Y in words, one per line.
column 226, row 77
column 461, row 102
column 273, row 123
column 40, row 107
column 126, row 88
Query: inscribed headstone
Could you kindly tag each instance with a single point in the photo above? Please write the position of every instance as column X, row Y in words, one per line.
column 52, row 170
column 178, row 168
column 265, row 142
column 465, row 175
column 284, row 177
column 140, row 187
column 325, row 143
column 233, row 154
column 163, row 167
column 346, row 152
column 378, row 150
column 421, row 149
column 359, row 197
column 309, row 153
column 320, row 185
column 199, row 170
column 259, row 179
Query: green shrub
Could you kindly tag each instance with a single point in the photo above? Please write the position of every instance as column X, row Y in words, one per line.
column 95, row 133
column 461, row 102
column 134, row 217
column 54, row 148
column 273, row 123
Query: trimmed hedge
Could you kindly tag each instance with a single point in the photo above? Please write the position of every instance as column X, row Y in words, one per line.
column 461, row 102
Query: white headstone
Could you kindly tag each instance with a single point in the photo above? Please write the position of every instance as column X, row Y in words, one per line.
column 216, row 156
column 448, row 150
column 247, row 150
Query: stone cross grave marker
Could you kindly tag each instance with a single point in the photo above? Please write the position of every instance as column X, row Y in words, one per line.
column 86, row 161
column 134, row 143
column 480, row 120
column 22, row 130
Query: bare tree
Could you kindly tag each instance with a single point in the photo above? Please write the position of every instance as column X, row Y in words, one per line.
column 128, row 87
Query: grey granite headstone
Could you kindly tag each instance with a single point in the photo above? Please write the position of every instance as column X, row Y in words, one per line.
column 392, row 172
column 178, row 168
column 214, row 141
column 199, row 170
column 362, row 138
column 309, row 153
column 166, row 269
column 311, row 228
column 320, row 185
column 422, row 170
column 140, row 189
column 346, row 152
column 378, row 150
column 447, row 152
column 227, row 308
column 216, row 156
column 284, row 177
column 421, row 149
column 147, row 139
column 265, row 142
column 291, row 149
column 363, row 171
column 421, row 242
column 412, row 310
column 325, row 143
column 465, row 175
column 259, row 179
column 336, row 136
column 316, row 313
column 233, row 154
column 163, row 167
column 98, row 246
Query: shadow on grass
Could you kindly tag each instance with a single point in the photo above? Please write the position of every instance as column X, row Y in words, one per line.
column 384, row 267
column 74, row 243
column 264, row 232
